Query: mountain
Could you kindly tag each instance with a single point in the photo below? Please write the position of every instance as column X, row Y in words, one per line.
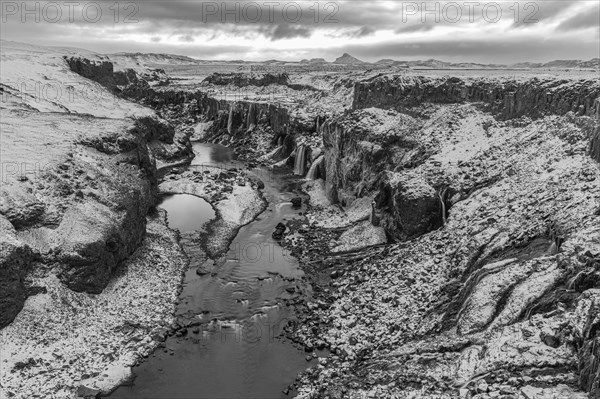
column 348, row 59
column 593, row 63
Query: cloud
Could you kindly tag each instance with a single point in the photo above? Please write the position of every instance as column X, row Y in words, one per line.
column 373, row 30
column 186, row 38
column 586, row 19
column 363, row 31
column 282, row 31
column 527, row 14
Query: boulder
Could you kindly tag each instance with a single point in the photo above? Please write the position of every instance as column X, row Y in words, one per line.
column 410, row 206
column 279, row 230
column 93, row 239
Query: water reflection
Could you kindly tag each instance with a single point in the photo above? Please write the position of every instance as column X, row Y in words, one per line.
column 207, row 154
column 187, row 212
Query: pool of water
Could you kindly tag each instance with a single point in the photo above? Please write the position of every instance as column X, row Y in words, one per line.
column 211, row 154
column 187, row 212
column 233, row 346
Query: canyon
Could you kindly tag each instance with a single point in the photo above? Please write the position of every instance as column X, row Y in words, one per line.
column 444, row 226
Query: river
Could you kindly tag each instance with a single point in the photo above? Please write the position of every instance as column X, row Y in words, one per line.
column 234, row 347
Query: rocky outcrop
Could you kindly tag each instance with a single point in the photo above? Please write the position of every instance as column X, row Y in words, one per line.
column 104, row 73
column 15, row 260
column 239, row 116
column 588, row 329
column 595, row 134
column 94, row 238
column 595, row 145
column 360, row 145
column 509, row 99
column 98, row 71
column 408, row 206
column 242, row 80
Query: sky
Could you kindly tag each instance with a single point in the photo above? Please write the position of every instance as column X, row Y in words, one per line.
column 462, row 31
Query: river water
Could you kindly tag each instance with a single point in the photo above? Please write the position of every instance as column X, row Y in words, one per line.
column 233, row 347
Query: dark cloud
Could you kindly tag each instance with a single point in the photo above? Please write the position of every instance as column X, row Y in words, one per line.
column 407, row 28
column 288, row 32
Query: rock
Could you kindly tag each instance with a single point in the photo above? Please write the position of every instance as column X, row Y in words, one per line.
column 93, row 239
column 88, row 393
column 507, row 390
column 279, row 230
column 532, row 97
column 411, row 206
column 530, row 392
column 588, row 317
column 550, row 339
column 296, row 202
column 15, row 260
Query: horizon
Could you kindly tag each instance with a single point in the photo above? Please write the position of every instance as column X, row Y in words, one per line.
column 486, row 33
column 332, row 60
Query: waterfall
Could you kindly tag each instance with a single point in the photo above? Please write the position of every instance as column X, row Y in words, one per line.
column 312, row 172
column 230, row 120
column 251, row 119
column 300, row 161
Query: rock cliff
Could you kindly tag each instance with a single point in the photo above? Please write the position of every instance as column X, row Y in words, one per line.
column 508, row 98
column 79, row 180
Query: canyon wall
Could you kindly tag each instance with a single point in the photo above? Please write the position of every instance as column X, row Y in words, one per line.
column 503, row 176
column 75, row 199
column 507, row 98
column 363, row 144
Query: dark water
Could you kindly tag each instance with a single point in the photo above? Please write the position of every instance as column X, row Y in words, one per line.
column 234, row 347
column 186, row 212
column 215, row 154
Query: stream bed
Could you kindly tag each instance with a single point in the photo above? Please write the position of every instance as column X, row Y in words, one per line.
column 232, row 346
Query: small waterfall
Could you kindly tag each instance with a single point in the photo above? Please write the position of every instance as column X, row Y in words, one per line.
column 312, row 172
column 300, row 161
column 251, row 119
column 230, row 120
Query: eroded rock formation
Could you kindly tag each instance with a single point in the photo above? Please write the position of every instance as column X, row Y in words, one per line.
column 510, row 99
